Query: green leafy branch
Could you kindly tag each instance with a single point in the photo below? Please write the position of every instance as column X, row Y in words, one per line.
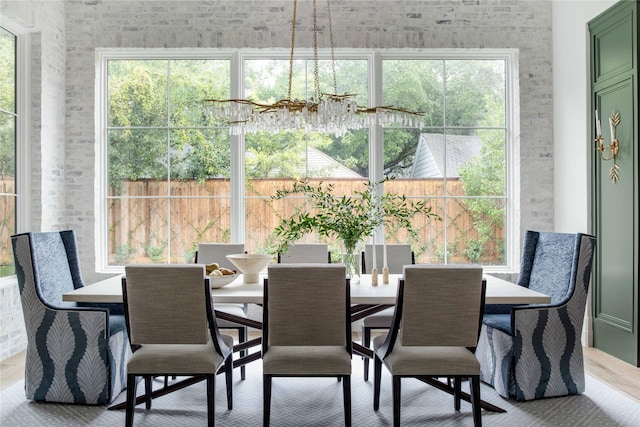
column 348, row 218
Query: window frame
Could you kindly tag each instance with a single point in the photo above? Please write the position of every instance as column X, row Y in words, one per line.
column 375, row 58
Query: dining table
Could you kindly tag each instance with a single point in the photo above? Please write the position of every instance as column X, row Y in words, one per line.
column 366, row 299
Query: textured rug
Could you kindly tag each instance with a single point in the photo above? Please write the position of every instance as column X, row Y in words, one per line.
column 318, row 402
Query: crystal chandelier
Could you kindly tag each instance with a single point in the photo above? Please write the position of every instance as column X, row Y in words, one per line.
column 325, row 113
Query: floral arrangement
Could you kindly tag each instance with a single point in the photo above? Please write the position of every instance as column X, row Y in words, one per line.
column 350, row 219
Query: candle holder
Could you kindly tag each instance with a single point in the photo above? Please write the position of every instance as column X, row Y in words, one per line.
column 613, row 148
column 385, row 275
column 374, row 277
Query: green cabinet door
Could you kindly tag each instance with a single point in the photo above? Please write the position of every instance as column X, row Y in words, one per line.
column 614, row 78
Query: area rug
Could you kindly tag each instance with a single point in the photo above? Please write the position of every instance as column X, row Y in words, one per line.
column 318, row 402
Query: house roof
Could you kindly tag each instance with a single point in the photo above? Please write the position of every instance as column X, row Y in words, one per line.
column 429, row 161
column 319, row 164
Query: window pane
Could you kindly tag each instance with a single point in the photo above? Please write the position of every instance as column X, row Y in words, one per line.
column 477, row 161
column 273, row 162
column 475, row 231
column 137, row 93
column 138, row 230
column 136, row 155
column 415, row 85
column 192, row 81
column 475, row 93
column 7, row 71
column 8, row 123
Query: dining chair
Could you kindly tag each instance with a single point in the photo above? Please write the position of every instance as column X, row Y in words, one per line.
column 449, row 299
column 305, row 253
column 172, row 330
column 398, row 255
column 306, row 327
column 208, row 253
column 74, row 354
column 535, row 351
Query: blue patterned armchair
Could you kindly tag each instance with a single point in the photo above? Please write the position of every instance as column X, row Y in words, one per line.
column 74, row 354
column 535, row 351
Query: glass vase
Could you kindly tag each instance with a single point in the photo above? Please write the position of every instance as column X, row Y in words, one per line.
column 350, row 258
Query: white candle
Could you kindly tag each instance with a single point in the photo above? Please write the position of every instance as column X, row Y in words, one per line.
column 384, row 250
column 612, row 128
column 598, row 128
column 374, row 251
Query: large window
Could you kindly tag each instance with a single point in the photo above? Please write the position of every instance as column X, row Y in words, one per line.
column 173, row 177
column 8, row 137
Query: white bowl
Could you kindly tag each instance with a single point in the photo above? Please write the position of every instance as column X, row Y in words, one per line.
column 220, row 281
column 250, row 264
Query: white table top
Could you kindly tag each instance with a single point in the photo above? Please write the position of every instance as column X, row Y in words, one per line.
column 498, row 292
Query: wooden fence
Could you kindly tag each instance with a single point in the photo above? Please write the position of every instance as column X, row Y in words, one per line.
column 201, row 212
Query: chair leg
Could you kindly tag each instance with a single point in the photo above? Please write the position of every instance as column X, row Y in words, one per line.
column 266, row 400
column 377, row 377
column 475, row 401
column 228, row 375
column 457, row 390
column 243, row 335
column 366, row 341
column 346, row 396
column 131, row 399
column 148, row 390
column 211, row 410
column 395, row 391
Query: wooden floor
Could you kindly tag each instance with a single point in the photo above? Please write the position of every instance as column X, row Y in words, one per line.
column 614, row 372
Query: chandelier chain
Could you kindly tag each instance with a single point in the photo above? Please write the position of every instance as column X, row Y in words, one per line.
column 293, row 44
column 333, row 57
column 316, row 69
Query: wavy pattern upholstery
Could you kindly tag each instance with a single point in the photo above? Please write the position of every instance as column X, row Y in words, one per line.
column 535, row 351
column 74, row 354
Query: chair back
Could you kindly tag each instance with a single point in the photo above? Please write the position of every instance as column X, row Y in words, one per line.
column 549, row 263
column 398, row 255
column 217, row 252
column 306, row 304
column 312, row 253
column 441, row 305
column 166, row 304
column 54, row 265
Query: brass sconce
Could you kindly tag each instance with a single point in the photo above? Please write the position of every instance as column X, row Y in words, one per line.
column 612, row 149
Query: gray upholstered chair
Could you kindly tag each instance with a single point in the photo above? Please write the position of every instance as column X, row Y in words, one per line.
column 217, row 252
column 398, row 255
column 305, row 253
column 172, row 330
column 74, row 354
column 306, row 327
column 435, row 329
column 535, row 351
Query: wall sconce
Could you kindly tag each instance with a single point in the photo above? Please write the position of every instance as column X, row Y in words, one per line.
column 612, row 150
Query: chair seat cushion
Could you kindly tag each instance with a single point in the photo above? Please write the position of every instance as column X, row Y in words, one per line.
column 380, row 320
column 234, row 309
column 501, row 322
column 306, row 360
column 429, row 361
column 179, row 359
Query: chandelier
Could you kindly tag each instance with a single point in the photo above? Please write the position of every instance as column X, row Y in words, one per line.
column 324, row 112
